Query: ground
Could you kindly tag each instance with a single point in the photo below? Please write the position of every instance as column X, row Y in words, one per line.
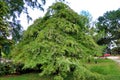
column 115, row 58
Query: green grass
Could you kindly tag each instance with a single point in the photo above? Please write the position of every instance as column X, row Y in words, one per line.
column 108, row 68
column 30, row 76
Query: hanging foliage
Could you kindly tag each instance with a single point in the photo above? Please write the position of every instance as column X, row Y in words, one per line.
column 57, row 42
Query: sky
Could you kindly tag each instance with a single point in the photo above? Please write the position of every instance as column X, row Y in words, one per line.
column 95, row 7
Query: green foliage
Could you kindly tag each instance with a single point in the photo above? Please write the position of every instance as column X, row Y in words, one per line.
column 109, row 23
column 82, row 73
column 3, row 13
column 64, row 11
column 10, row 10
column 6, row 68
column 16, row 7
column 115, row 51
column 57, row 42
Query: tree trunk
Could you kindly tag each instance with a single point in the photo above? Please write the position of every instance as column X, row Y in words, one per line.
column 0, row 55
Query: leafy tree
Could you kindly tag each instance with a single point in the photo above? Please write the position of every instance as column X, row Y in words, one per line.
column 3, row 14
column 110, row 24
column 58, row 43
column 4, row 42
column 15, row 8
column 10, row 10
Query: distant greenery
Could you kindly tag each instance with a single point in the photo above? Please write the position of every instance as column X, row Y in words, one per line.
column 109, row 23
column 116, row 50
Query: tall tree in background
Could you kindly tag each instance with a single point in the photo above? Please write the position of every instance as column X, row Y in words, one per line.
column 109, row 23
column 10, row 10
column 87, row 19
column 90, row 24
column 88, row 16
column 4, row 10
column 15, row 8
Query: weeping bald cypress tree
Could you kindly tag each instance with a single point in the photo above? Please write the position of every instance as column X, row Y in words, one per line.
column 57, row 42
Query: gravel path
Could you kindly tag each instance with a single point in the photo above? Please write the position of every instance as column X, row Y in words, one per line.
column 115, row 58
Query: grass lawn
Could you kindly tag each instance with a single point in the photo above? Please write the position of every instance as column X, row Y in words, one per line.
column 108, row 68
column 30, row 76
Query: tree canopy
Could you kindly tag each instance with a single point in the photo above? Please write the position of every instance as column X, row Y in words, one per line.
column 58, row 43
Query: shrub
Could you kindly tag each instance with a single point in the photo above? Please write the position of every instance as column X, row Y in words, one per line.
column 6, row 68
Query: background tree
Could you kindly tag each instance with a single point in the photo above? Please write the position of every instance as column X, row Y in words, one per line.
column 4, row 10
column 16, row 7
column 88, row 16
column 110, row 24
column 10, row 10
column 58, row 43
column 90, row 24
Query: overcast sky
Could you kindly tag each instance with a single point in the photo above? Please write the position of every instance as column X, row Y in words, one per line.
column 95, row 7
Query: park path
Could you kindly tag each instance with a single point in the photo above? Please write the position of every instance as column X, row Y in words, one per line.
column 115, row 58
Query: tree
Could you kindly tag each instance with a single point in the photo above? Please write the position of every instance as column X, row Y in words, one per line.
column 90, row 29
column 15, row 8
column 58, row 43
column 3, row 14
column 110, row 24
column 11, row 9
column 4, row 10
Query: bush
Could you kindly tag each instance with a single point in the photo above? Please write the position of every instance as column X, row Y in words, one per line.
column 10, row 68
column 19, row 69
column 6, row 68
